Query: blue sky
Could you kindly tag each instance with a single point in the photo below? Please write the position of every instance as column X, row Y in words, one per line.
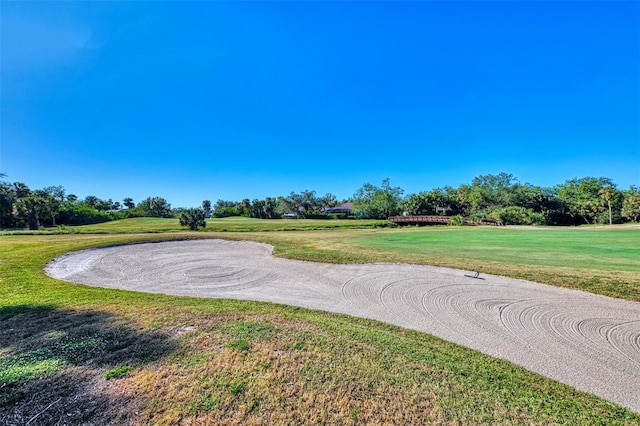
column 231, row 100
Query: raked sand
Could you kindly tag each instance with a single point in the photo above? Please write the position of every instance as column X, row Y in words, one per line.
column 587, row 341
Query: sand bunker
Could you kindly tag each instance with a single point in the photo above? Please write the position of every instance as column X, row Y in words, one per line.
column 587, row 341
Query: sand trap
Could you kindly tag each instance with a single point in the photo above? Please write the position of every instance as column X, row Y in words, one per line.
column 587, row 341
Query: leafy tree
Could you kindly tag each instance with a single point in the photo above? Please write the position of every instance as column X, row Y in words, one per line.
column 206, row 206
column 581, row 198
column 463, row 195
column 304, row 204
column 21, row 190
column 491, row 192
column 193, row 218
column 284, row 205
column 52, row 196
column 92, row 201
column 154, row 207
column 56, row 192
column 631, row 204
column 222, row 204
column 437, row 201
column 309, row 203
column 269, row 208
column 225, row 208
column 106, row 205
column 328, row 200
column 538, row 199
column 7, row 201
column 128, row 203
column 256, row 210
column 453, row 200
column 31, row 209
column 377, row 202
column 243, row 207
column 415, row 204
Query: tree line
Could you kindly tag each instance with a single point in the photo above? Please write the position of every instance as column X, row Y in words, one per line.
column 500, row 197
column 23, row 207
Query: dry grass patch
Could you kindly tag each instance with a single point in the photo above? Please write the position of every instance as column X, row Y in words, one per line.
column 337, row 371
column 327, row 381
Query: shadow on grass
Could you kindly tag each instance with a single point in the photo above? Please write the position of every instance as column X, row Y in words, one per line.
column 52, row 365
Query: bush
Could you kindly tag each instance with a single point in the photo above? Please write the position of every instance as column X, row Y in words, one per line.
column 81, row 214
column 225, row 212
column 456, row 220
column 519, row 216
column 193, row 218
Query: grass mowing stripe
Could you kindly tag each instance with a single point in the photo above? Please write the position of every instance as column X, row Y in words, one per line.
column 589, row 249
column 230, row 224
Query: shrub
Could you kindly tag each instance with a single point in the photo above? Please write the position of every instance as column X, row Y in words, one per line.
column 456, row 220
column 516, row 215
column 81, row 214
column 193, row 218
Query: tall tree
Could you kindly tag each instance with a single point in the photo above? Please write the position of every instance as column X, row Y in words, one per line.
column 206, row 206
column 284, row 206
column 631, row 203
column 328, row 200
column 607, row 193
column 155, row 207
column 7, row 201
column 256, row 209
column 243, row 208
column 21, row 189
column 581, row 198
column 53, row 197
column 377, row 202
column 270, row 206
column 415, row 204
column 31, row 209
column 128, row 203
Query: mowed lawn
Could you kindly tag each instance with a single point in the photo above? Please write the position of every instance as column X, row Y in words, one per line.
column 599, row 260
column 583, row 248
column 108, row 356
column 227, row 224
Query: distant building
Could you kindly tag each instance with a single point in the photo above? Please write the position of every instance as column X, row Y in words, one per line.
column 344, row 208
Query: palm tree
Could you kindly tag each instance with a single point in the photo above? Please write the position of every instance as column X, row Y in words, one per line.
column 606, row 194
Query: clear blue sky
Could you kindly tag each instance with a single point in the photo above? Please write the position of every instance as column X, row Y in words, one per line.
column 231, row 100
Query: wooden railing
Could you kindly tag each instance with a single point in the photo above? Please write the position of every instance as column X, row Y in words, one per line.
column 419, row 219
column 436, row 220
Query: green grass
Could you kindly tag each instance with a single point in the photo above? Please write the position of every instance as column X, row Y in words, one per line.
column 118, row 372
column 599, row 260
column 61, row 340
column 585, row 248
column 229, row 224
